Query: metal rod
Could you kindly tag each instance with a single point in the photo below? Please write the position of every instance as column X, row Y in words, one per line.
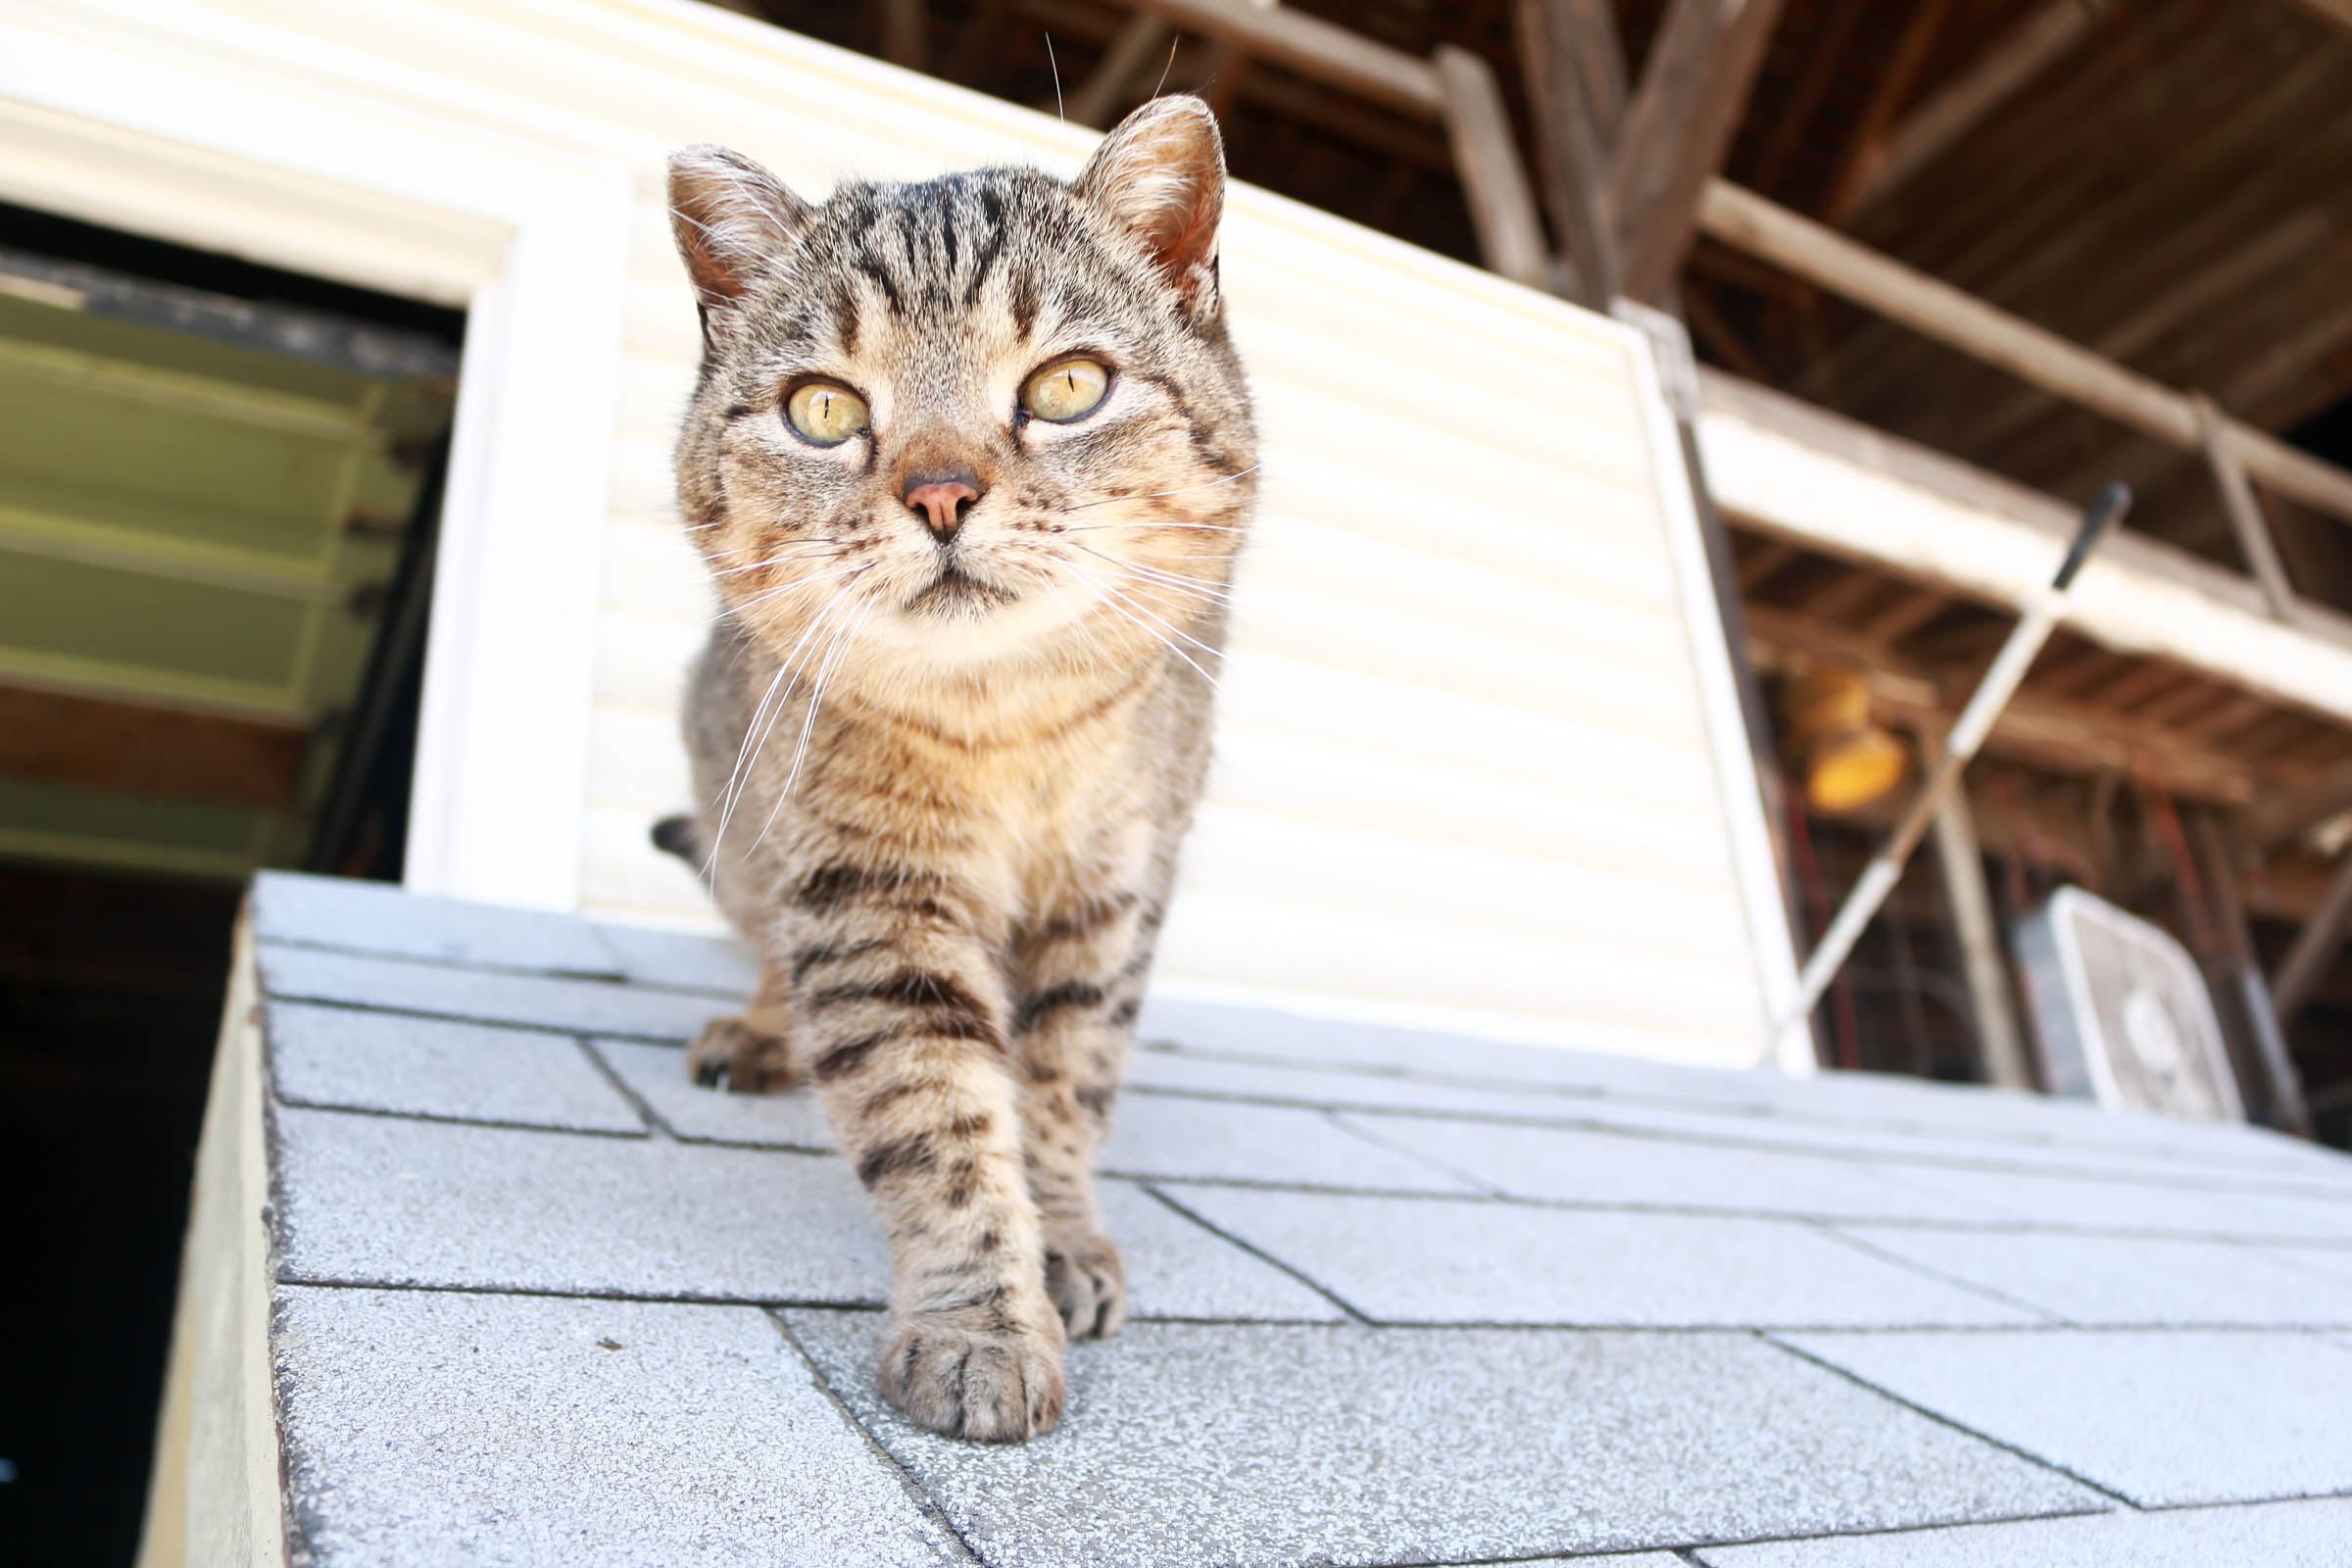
column 1992, row 692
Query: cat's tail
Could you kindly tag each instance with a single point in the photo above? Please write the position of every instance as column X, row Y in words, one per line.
column 676, row 835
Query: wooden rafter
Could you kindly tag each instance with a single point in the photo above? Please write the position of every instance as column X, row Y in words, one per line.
column 1867, row 150
column 1748, row 222
column 1313, row 47
column 133, row 749
column 1826, row 57
column 2335, row 13
column 2036, row 728
column 1576, row 121
column 1503, row 210
column 1952, row 113
column 2282, row 817
column 1677, row 129
column 905, row 24
column 1898, row 620
column 1140, row 41
column 2317, row 947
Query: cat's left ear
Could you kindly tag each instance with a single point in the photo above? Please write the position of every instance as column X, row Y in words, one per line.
column 1160, row 175
column 730, row 217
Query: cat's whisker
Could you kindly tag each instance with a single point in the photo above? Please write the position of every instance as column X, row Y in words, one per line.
column 1200, row 528
column 786, row 672
column 799, row 753
column 1162, row 494
column 1139, row 576
column 813, row 553
column 735, row 775
column 752, row 550
column 1173, row 580
column 1080, row 621
column 1055, row 65
column 1119, row 603
column 766, row 594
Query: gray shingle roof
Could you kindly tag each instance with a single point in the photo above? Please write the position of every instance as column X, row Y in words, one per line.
column 1400, row 1298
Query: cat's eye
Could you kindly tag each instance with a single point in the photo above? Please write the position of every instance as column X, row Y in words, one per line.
column 1066, row 390
column 826, row 414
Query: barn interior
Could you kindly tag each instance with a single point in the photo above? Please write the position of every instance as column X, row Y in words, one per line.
column 2034, row 245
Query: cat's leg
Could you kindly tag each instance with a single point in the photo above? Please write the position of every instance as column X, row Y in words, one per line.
column 751, row 1051
column 1082, row 972
column 902, row 1013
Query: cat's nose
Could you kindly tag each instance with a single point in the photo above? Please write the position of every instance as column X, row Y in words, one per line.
column 943, row 499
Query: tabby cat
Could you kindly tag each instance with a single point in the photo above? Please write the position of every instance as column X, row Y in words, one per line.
column 969, row 461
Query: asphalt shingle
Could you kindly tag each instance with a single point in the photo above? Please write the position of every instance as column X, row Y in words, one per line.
column 1191, row 1444
column 2120, row 1280
column 1615, row 1168
column 1259, row 1034
column 1163, row 1135
column 484, row 995
column 427, row 1427
column 657, row 1075
column 379, row 917
column 1433, row 1260
column 2126, row 1206
column 371, row 1200
column 2279, row 1535
column 1574, row 1267
column 388, row 1061
column 1177, row 1268
column 2162, row 1417
column 680, row 959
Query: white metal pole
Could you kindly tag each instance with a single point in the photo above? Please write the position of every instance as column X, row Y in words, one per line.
column 1974, row 722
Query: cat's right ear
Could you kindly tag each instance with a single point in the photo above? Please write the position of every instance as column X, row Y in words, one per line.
column 1160, row 175
column 730, row 218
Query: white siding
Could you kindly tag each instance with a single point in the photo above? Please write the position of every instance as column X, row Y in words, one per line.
column 1468, row 771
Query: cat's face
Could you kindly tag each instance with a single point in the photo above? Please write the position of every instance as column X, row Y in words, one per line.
column 969, row 419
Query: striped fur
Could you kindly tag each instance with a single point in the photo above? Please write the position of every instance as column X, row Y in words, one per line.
column 942, row 786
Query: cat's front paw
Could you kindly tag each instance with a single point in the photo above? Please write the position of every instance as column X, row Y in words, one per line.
column 996, row 1386
column 1088, row 1281
column 748, row 1060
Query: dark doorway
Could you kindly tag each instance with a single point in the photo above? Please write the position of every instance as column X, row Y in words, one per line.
column 218, row 490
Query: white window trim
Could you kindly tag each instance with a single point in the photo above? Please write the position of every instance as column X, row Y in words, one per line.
column 307, row 166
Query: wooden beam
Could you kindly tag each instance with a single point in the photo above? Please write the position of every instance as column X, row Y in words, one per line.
column 1837, row 600
column 905, row 24
column 1142, row 40
column 1557, row 39
column 1961, row 862
column 2282, row 817
column 2317, row 947
column 1868, row 147
column 2243, row 507
column 1708, row 323
column 1678, row 128
column 2335, row 12
column 1222, row 76
column 1763, row 563
column 1313, row 47
column 2048, row 732
column 1826, row 59
column 1906, row 615
column 1958, row 108
column 2149, row 679
column 1935, row 309
column 1503, row 210
column 131, row 749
